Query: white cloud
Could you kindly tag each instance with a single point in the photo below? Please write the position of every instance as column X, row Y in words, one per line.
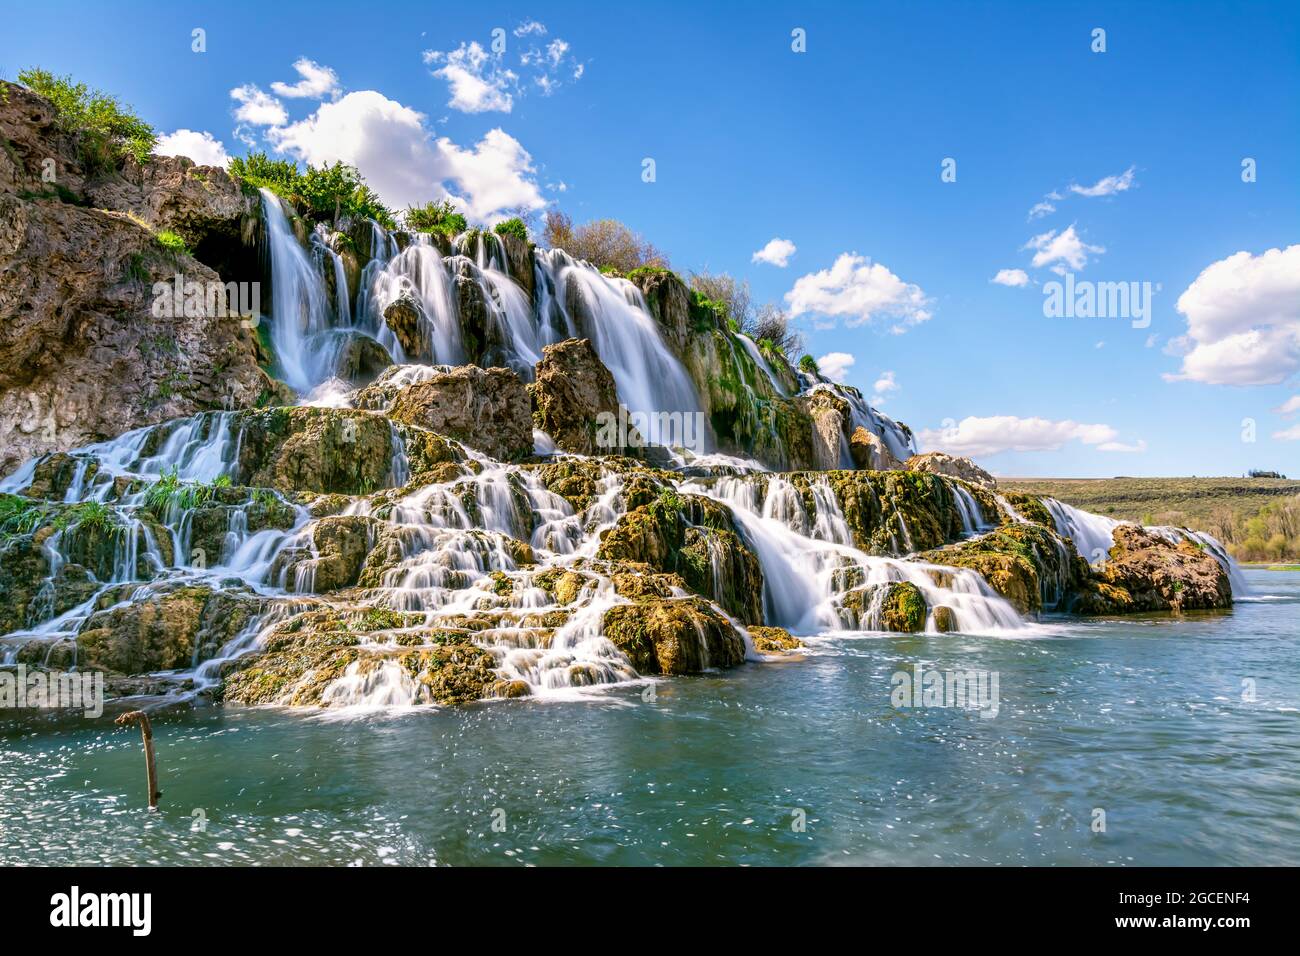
column 1152, row 339
column 1041, row 209
column 775, row 253
column 1289, row 407
column 1116, row 446
column 998, row 433
column 1106, row 186
column 481, row 81
column 1243, row 320
column 835, row 365
column 882, row 387
column 478, row 81
column 859, row 291
column 1011, row 277
column 258, row 108
column 393, row 150
column 1064, row 247
column 317, row 82
column 1288, row 434
column 202, row 147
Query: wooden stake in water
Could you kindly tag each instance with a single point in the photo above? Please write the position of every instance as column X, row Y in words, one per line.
column 146, row 732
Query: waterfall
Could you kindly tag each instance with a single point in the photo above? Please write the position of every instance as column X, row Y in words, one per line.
column 300, row 313
column 805, row 567
column 1093, row 535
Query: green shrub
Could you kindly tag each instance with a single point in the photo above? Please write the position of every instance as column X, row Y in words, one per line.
column 107, row 129
column 323, row 194
column 90, row 515
column 19, row 516
column 512, row 227
column 172, row 242
column 437, row 217
column 808, row 364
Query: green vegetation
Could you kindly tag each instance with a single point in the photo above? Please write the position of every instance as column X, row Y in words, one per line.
column 808, row 365
column 172, row 242
column 767, row 325
column 107, row 130
column 170, row 491
column 89, row 516
column 1258, row 519
column 322, row 194
column 19, row 516
column 437, row 217
column 513, row 226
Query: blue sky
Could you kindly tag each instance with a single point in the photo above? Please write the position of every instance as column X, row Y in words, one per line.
column 838, row 151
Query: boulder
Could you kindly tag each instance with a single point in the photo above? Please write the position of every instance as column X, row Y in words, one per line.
column 361, row 359
column 321, row 450
column 163, row 628
column 898, row 606
column 684, row 636
column 487, row 409
column 869, row 452
column 572, row 388
column 773, row 640
column 937, row 463
column 405, row 317
column 1145, row 571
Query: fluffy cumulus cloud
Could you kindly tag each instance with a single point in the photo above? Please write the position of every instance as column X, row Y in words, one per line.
column 882, row 387
column 775, row 253
column 859, row 291
column 202, row 147
column 316, row 82
column 1061, row 249
column 483, row 80
column 835, row 365
column 1243, row 320
column 991, row 435
column 478, row 81
column 1106, row 186
column 389, row 144
column 1012, row 277
column 257, row 107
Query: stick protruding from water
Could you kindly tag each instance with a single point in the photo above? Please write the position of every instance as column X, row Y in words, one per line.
column 146, row 732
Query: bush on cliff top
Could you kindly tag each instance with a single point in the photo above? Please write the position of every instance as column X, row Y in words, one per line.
column 513, row 226
column 435, row 217
column 107, row 128
column 606, row 243
column 324, row 193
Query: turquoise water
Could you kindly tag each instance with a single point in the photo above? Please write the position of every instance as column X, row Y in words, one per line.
column 1141, row 717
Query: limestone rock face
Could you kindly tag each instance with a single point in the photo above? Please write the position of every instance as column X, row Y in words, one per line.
column 1146, row 572
column 572, row 388
column 162, row 629
column 320, row 450
column 829, row 414
column 937, row 463
column 77, row 293
column 669, row 301
column 405, row 317
column 487, row 409
column 869, row 452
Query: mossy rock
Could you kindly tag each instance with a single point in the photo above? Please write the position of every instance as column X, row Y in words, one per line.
column 897, row 606
column 684, row 636
column 773, row 640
